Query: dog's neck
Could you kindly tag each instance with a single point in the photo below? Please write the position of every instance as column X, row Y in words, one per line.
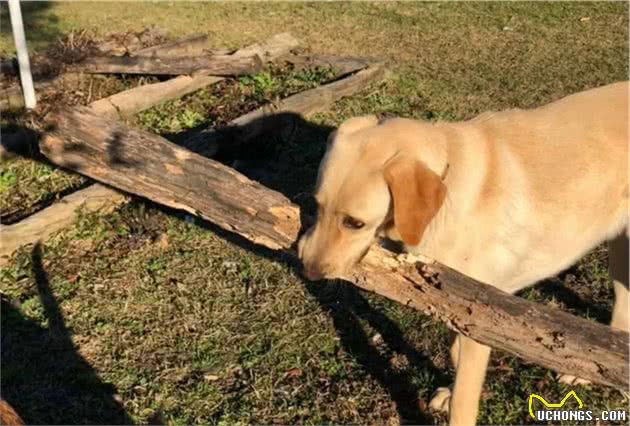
column 452, row 158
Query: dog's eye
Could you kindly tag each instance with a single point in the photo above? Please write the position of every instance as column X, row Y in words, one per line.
column 352, row 223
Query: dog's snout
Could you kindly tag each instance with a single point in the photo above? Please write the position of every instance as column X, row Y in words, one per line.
column 312, row 272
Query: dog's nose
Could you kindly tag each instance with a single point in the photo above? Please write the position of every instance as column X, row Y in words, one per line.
column 312, row 272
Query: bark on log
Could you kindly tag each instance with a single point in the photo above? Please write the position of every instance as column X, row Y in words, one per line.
column 227, row 65
column 218, row 190
column 149, row 166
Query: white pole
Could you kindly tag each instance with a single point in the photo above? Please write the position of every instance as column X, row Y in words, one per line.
column 17, row 26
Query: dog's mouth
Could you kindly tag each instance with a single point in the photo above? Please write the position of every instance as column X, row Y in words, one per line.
column 361, row 256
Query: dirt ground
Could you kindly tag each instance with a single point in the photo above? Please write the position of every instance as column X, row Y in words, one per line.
column 147, row 315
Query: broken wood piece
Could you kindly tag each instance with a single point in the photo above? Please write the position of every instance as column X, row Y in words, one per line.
column 55, row 217
column 152, row 167
column 228, row 65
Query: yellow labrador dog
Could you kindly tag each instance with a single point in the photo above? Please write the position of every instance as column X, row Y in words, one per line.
column 508, row 198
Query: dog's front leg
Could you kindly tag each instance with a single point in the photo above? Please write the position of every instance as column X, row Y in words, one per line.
column 472, row 364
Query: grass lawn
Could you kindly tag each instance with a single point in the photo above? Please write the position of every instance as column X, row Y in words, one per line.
column 146, row 315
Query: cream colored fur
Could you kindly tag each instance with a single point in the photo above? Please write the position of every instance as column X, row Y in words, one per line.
column 528, row 192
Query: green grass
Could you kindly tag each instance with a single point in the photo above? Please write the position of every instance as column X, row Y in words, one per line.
column 23, row 183
column 150, row 316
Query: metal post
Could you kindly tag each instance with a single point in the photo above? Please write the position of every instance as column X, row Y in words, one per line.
column 26, row 78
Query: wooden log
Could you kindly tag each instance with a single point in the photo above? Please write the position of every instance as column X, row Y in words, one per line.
column 57, row 216
column 49, row 221
column 227, row 65
column 259, row 121
column 539, row 333
column 137, row 99
column 167, row 159
column 149, row 166
column 187, row 46
column 140, row 98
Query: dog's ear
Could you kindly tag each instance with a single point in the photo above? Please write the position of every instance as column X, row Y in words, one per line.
column 417, row 193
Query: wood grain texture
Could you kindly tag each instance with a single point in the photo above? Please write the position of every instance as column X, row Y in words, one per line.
column 271, row 49
column 173, row 176
column 150, row 166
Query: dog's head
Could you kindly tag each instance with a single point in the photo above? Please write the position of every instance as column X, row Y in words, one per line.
column 368, row 184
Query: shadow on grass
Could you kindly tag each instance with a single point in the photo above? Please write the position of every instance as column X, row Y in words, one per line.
column 347, row 307
column 284, row 156
column 43, row 376
column 286, row 159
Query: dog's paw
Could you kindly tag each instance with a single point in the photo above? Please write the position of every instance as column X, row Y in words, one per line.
column 570, row 380
column 440, row 400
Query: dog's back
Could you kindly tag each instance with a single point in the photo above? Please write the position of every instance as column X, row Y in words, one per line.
column 560, row 174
